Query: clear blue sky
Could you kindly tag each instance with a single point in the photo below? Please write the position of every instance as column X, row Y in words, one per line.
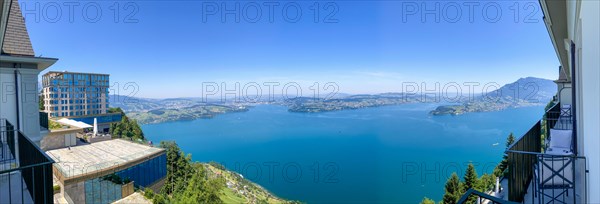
column 170, row 51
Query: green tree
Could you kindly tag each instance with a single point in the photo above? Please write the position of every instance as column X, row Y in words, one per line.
column 487, row 182
column 115, row 110
column 41, row 102
column 471, row 181
column 510, row 140
column 504, row 163
column 127, row 128
column 187, row 181
column 199, row 189
column 178, row 168
column 470, row 177
column 452, row 190
column 426, row 200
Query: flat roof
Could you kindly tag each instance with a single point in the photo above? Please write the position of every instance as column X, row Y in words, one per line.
column 69, row 72
column 100, row 157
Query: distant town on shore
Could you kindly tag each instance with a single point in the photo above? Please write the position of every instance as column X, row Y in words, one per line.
column 150, row 111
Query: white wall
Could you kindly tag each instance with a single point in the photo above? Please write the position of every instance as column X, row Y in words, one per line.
column 28, row 100
column 7, row 95
column 589, row 99
column 30, row 120
column 565, row 95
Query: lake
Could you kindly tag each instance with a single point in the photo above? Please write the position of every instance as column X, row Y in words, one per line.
column 384, row 154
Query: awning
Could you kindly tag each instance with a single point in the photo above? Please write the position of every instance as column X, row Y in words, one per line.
column 74, row 123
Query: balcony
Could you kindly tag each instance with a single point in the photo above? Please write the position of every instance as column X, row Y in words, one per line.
column 543, row 165
column 25, row 170
column 547, row 169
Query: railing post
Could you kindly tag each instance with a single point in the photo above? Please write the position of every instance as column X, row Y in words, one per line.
column 17, row 154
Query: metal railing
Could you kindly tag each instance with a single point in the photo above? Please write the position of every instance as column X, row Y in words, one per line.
column 44, row 119
column 551, row 116
column 28, row 172
column 7, row 143
column 481, row 197
column 555, row 178
column 556, row 118
column 521, row 162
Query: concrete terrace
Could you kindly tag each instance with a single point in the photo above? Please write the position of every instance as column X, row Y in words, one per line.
column 99, row 158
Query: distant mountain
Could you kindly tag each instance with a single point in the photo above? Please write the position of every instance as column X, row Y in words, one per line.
column 146, row 110
column 132, row 104
column 527, row 91
column 137, row 104
column 313, row 105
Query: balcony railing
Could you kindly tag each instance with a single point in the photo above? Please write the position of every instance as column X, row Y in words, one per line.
column 543, row 176
column 561, row 119
column 552, row 116
column 521, row 160
column 482, row 197
column 26, row 171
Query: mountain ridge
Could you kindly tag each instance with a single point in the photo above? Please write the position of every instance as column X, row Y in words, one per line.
column 528, row 91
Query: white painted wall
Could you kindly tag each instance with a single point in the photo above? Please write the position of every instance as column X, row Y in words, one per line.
column 28, row 100
column 589, row 111
column 30, row 118
column 7, row 95
column 565, row 94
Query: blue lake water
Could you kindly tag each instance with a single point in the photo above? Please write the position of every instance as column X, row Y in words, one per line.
column 384, row 154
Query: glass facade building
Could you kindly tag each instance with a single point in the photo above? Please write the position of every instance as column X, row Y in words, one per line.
column 108, row 189
column 146, row 173
column 68, row 94
column 99, row 190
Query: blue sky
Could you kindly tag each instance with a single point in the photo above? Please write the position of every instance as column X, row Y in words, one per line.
column 374, row 46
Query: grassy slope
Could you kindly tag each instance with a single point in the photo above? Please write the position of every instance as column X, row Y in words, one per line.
column 254, row 193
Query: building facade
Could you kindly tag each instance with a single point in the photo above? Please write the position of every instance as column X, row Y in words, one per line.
column 574, row 28
column 25, row 170
column 71, row 94
column 557, row 160
column 19, row 70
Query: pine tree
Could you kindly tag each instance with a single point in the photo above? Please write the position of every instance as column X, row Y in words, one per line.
column 471, row 181
column 452, row 189
column 486, row 182
column 510, row 140
column 470, row 177
column 504, row 163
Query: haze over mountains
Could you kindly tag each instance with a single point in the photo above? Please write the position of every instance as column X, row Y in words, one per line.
column 523, row 92
column 527, row 91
